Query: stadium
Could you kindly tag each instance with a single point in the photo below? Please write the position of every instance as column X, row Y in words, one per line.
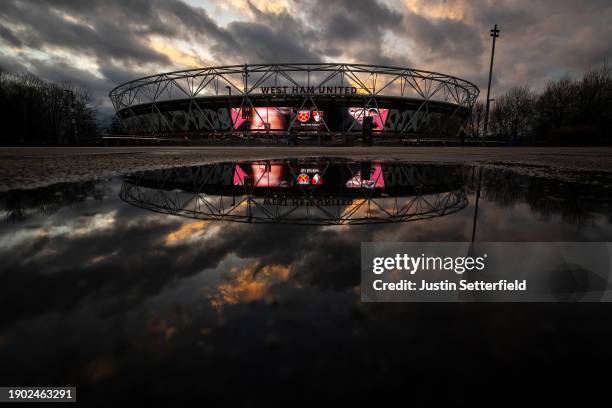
column 322, row 103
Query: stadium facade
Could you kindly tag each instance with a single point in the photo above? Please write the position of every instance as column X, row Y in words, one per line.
column 282, row 101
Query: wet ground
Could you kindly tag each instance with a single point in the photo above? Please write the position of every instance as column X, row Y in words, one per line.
column 150, row 285
column 40, row 166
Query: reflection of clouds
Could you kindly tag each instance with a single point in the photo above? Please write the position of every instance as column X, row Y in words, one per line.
column 117, row 255
column 190, row 231
column 100, row 258
column 77, row 227
column 132, row 282
column 121, row 255
column 94, row 224
column 248, row 283
column 162, row 327
column 102, row 368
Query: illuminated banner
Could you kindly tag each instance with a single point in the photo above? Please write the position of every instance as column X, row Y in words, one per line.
column 282, row 175
column 274, row 118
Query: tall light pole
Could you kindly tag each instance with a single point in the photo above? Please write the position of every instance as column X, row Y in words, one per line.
column 494, row 34
column 229, row 109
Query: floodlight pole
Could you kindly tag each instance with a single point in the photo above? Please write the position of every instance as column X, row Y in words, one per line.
column 229, row 109
column 494, row 34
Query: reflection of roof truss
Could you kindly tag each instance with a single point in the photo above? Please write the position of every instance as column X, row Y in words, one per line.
column 174, row 192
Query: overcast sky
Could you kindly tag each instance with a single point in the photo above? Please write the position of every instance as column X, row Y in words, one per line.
column 101, row 43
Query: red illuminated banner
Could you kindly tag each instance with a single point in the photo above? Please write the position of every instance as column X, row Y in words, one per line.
column 261, row 175
column 261, row 118
column 272, row 118
column 277, row 175
column 379, row 116
column 376, row 179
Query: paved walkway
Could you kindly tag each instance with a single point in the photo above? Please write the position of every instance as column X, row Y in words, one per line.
column 32, row 167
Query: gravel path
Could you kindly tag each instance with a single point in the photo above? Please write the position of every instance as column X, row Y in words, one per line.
column 22, row 168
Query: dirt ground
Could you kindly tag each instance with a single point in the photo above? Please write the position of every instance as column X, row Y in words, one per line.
column 24, row 168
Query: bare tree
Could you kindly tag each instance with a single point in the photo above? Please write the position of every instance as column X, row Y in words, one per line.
column 557, row 105
column 594, row 98
column 475, row 124
column 36, row 112
column 513, row 114
column 577, row 111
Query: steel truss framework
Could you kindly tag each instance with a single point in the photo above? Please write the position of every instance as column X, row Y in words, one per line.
column 200, row 100
column 427, row 191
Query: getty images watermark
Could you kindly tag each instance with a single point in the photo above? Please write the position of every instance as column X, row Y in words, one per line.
column 488, row 271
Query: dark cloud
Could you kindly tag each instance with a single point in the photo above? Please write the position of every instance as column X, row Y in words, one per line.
column 101, row 37
column 9, row 64
column 543, row 40
column 354, row 28
column 259, row 43
column 539, row 40
column 8, row 36
column 117, row 74
column 193, row 20
column 443, row 39
column 269, row 37
column 350, row 21
column 59, row 71
column 115, row 34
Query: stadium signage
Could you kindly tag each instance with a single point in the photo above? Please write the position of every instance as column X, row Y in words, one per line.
column 308, row 90
column 282, row 200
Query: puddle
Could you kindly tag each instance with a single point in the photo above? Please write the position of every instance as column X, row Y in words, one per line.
column 238, row 274
column 307, row 191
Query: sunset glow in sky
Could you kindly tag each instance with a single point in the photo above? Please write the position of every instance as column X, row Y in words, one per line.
column 101, row 43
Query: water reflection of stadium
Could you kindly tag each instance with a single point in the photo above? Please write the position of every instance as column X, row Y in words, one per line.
column 319, row 191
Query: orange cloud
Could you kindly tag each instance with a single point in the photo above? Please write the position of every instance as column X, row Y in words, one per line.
column 186, row 231
column 163, row 327
column 100, row 369
column 177, row 54
column 249, row 284
column 267, row 6
column 454, row 10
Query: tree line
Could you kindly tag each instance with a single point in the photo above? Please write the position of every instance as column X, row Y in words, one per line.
column 34, row 112
column 568, row 111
